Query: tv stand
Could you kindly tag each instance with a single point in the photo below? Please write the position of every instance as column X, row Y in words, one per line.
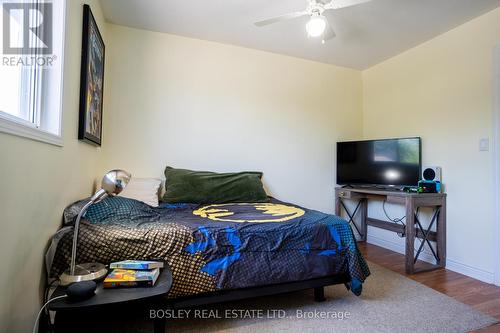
column 413, row 227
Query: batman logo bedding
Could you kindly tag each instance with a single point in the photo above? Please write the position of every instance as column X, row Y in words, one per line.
column 214, row 247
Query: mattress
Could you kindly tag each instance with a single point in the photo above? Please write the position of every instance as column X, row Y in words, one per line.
column 214, row 247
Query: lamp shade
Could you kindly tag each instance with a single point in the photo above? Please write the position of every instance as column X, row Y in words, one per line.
column 115, row 181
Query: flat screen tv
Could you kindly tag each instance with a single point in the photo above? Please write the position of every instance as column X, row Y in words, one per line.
column 388, row 162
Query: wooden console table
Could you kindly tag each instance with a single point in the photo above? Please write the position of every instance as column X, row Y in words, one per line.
column 413, row 227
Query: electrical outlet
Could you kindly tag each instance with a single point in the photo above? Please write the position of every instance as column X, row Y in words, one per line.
column 484, row 144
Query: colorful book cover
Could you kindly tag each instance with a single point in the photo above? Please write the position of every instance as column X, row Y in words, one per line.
column 136, row 264
column 131, row 278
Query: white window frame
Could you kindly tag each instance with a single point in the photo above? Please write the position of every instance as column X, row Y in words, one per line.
column 19, row 127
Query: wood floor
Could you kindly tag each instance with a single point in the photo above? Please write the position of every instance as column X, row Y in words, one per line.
column 481, row 296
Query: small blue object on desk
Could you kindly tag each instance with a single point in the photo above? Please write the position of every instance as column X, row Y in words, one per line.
column 429, row 186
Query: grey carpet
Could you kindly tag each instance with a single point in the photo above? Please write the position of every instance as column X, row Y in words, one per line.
column 390, row 303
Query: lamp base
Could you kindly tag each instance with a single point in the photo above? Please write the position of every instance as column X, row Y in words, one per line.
column 83, row 272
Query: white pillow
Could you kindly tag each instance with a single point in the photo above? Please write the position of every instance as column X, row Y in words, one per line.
column 143, row 189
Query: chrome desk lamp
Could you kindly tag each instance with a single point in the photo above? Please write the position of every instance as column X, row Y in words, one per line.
column 112, row 184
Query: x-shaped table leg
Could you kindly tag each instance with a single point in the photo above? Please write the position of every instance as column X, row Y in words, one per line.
column 351, row 216
column 426, row 233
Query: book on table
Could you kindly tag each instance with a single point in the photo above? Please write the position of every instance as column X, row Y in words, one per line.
column 131, row 278
column 136, row 264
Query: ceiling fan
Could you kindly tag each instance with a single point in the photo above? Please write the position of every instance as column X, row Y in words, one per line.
column 318, row 24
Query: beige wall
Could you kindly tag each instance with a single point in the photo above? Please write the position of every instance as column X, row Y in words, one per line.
column 38, row 181
column 195, row 104
column 442, row 91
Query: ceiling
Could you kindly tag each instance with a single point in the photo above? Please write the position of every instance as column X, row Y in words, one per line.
column 366, row 34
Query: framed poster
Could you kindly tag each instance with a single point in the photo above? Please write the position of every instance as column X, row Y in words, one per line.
column 91, row 81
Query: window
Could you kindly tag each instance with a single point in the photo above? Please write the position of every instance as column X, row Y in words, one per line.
column 32, row 33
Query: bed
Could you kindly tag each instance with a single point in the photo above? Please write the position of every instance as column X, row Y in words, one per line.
column 218, row 252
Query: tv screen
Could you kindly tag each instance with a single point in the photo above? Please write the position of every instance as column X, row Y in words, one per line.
column 379, row 162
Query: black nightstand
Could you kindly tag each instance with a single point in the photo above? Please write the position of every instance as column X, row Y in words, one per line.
column 109, row 304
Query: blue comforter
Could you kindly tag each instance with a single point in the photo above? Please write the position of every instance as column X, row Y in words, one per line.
column 214, row 247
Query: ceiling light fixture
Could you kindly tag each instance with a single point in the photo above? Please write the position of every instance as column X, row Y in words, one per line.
column 316, row 25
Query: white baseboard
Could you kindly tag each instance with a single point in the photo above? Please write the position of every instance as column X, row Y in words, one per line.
column 451, row 264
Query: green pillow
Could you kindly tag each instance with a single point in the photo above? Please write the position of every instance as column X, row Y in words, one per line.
column 187, row 186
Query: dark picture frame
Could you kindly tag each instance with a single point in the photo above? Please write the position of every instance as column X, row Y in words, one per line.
column 91, row 81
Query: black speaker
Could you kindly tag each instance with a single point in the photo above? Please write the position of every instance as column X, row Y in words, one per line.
column 80, row 291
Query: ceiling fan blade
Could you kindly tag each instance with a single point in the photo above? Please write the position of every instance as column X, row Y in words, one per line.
column 281, row 18
column 329, row 33
column 337, row 4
